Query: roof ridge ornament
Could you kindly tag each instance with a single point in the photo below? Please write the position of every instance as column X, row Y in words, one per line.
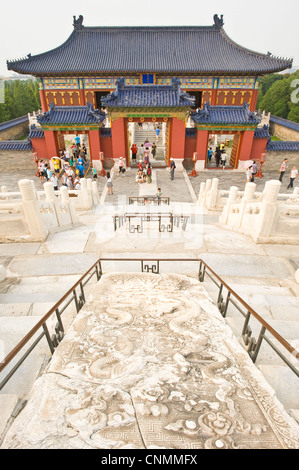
column 78, row 23
column 218, row 22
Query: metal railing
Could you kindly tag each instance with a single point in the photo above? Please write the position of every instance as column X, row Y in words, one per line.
column 143, row 200
column 166, row 221
column 76, row 294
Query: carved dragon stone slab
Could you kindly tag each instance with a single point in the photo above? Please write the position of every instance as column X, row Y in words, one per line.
column 150, row 363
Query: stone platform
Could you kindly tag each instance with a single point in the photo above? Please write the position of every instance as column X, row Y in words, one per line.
column 149, row 363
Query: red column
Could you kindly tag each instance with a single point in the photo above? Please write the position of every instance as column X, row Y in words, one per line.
column 43, row 100
column 246, row 145
column 253, row 100
column 94, row 144
column 51, row 143
column 202, row 145
column 118, row 131
column 177, row 144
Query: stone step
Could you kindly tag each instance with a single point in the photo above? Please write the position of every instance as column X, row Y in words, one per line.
column 278, row 377
column 8, row 403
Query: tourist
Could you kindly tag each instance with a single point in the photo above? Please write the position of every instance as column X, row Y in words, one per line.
column 217, row 155
column 71, row 161
column 56, row 165
column 283, row 168
column 154, row 150
column 121, row 165
column 222, row 147
column 94, row 172
column 134, row 150
column 77, row 182
column 69, row 171
column 139, row 177
column 77, row 140
column 293, row 176
column 146, row 155
column 41, row 170
column 210, row 153
column 249, row 174
column 157, row 133
column 149, row 173
column 159, row 194
column 48, row 172
column 84, row 150
column 109, row 183
column 223, row 159
column 70, row 184
column 54, row 180
column 80, row 167
column 172, row 168
column 64, row 178
column 67, row 154
column 254, row 171
column 141, row 151
column 140, row 165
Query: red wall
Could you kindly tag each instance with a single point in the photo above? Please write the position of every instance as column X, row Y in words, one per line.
column 106, row 147
column 51, row 143
column 202, row 144
column 258, row 147
column 177, row 139
column 118, row 138
column 246, row 145
column 39, row 146
column 94, row 144
column 190, row 146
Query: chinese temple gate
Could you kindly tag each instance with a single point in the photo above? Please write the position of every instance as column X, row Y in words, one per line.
column 194, row 80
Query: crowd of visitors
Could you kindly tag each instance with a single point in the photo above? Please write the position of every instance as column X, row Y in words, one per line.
column 71, row 165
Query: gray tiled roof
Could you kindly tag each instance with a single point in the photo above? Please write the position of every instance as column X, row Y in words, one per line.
column 154, row 96
column 71, row 115
column 225, row 115
column 167, row 49
column 283, row 146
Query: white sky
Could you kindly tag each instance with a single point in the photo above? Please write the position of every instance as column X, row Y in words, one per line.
column 35, row 27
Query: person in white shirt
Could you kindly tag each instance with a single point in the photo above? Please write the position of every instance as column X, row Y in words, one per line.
column 293, row 176
column 54, row 180
column 77, row 183
column 223, row 159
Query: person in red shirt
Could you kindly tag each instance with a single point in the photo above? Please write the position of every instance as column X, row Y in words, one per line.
column 134, row 150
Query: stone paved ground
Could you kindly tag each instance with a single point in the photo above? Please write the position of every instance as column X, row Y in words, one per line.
column 264, row 276
column 177, row 189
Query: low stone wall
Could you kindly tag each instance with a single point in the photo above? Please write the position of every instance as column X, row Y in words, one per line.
column 284, row 133
column 274, row 160
column 16, row 132
column 12, row 160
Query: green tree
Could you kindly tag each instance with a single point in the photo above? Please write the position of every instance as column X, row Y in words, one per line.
column 21, row 97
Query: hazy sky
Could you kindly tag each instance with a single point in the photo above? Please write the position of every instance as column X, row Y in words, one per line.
column 35, row 27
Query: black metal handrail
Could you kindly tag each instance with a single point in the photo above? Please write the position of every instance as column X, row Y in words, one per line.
column 72, row 295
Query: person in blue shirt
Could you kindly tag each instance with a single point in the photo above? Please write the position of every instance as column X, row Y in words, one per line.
column 210, row 153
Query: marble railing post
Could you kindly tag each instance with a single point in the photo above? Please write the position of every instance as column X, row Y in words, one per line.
column 201, row 195
column 65, row 199
column 85, row 201
column 95, row 193
column 211, row 200
column 207, row 189
column 232, row 197
column 247, row 197
column 31, row 211
column 268, row 210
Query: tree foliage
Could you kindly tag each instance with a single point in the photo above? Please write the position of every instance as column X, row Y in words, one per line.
column 20, row 97
column 279, row 95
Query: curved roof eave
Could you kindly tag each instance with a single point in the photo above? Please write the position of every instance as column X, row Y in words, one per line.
column 56, row 62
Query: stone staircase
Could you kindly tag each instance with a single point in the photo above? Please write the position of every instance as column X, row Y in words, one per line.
column 278, row 305
column 140, row 135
